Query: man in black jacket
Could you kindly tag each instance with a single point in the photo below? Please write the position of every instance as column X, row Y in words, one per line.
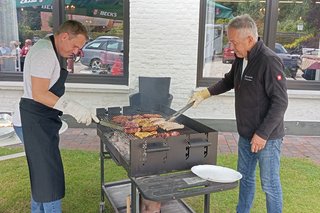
column 261, row 100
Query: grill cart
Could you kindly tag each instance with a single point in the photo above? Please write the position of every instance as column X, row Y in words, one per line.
column 158, row 168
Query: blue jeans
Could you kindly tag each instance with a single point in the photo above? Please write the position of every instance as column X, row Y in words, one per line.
column 50, row 207
column 18, row 130
column 269, row 163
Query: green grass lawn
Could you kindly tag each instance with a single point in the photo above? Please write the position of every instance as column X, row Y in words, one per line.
column 8, row 151
column 300, row 181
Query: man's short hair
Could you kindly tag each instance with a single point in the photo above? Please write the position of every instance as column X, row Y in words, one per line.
column 28, row 41
column 74, row 28
column 244, row 22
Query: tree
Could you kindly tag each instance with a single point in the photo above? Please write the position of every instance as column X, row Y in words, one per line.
column 30, row 18
column 313, row 17
column 256, row 10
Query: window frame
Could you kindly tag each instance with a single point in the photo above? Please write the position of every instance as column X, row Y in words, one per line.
column 58, row 18
column 269, row 38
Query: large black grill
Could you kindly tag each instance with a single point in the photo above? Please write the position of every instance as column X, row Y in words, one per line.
column 154, row 163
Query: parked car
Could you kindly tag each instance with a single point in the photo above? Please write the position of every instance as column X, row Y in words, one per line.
column 107, row 37
column 100, row 55
column 228, row 54
column 290, row 61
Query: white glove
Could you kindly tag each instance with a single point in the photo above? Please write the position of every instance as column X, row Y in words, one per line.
column 76, row 110
column 199, row 96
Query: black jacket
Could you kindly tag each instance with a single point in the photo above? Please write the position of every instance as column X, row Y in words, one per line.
column 260, row 96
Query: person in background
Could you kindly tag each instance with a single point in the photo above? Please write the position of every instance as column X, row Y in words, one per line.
column 15, row 51
column 6, row 60
column 257, row 77
column 4, row 49
column 24, row 50
column 42, row 104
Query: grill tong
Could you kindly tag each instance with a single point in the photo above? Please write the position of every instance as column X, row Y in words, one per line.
column 179, row 112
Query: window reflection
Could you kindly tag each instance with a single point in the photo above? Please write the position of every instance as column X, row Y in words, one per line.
column 103, row 54
column 297, row 37
column 9, row 42
column 298, row 33
column 218, row 56
column 26, row 22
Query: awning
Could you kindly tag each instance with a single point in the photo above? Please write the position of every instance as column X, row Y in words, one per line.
column 32, row 3
column 111, row 9
column 223, row 11
column 98, row 8
column 220, row 11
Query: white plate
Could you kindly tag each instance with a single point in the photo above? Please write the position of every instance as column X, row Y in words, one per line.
column 216, row 173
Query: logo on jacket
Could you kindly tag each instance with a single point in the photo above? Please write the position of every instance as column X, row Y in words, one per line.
column 248, row 78
column 279, row 77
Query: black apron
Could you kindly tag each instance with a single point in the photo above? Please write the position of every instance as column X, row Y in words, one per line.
column 40, row 126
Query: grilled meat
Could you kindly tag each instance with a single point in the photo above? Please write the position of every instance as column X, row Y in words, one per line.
column 149, row 128
column 168, row 125
column 121, row 119
column 137, row 116
column 130, row 124
column 142, row 135
column 141, row 121
column 167, row 134
column 132, row 130
column 152, row 116
column 142, row 124
column 157, row 121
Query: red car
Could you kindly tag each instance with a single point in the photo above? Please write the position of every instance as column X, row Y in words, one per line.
column 228, row 55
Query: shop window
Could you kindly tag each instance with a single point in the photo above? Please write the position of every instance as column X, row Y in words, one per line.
column 296, row 39
column 298, row 34
column 31, row 21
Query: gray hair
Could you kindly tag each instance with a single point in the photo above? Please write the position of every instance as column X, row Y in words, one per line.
column 244, row 22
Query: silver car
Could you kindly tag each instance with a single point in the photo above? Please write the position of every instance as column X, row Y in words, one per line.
column 96, row 51
column 107, row 37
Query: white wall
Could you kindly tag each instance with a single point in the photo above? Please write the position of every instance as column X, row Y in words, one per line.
column 164, row 42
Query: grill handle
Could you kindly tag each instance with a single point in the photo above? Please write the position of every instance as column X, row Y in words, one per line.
column 157, row 147
column 194, row 143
